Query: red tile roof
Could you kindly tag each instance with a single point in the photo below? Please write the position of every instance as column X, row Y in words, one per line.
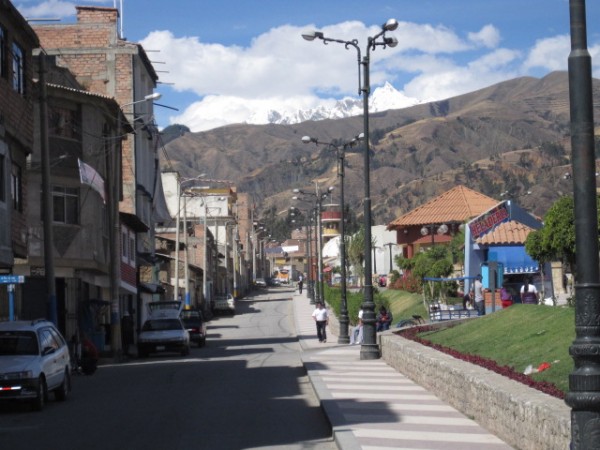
column 506, row 233
column 459, row 204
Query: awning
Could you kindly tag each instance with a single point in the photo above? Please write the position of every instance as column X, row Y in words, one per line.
column 514, row 259
column 327, row 269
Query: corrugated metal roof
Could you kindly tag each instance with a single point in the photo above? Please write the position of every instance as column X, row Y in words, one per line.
column 459, row 204
column 510, row 232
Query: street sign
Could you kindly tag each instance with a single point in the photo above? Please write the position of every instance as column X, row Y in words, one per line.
column 11, row 279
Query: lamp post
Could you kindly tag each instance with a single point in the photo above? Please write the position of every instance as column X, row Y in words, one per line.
column 431, row 229
column 319, row 197
column 309, row 273
column 179, row 182
column 343, row 338
column 389, row 245
column 584, row 382
column 369, row 349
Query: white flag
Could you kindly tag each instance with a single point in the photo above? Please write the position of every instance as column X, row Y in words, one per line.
column 89, row 176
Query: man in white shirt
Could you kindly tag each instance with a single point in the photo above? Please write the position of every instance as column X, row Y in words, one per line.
column 321, row 317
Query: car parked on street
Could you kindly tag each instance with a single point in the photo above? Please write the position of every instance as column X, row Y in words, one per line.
column 194, row 323
column 163, row 331
column 224, row 303
column 34, row 360
column 260, row 282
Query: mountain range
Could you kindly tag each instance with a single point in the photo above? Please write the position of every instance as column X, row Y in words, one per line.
column 511, row 139
column 382, row 99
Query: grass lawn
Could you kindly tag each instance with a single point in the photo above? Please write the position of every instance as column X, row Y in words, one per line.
column 517, row 337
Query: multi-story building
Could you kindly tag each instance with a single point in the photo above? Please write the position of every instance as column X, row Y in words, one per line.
column 83, row 132
column 105, row 63
column 17, row 41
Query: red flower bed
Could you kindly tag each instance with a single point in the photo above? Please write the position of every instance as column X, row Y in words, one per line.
column 543, row 386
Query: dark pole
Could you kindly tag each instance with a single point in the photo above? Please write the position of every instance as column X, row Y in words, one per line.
column 343, row 338
column 584, row 382
column 311, row 292
column 47, row 195
column 320, row 247
column 369, row 348
column 389, row 244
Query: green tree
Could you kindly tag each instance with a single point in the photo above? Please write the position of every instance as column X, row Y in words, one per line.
column 356, row 252
column 556, row 239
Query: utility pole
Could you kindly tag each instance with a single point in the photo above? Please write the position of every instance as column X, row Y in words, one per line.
column 47, row 194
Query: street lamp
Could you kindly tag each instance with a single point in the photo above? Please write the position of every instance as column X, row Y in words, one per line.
column 389, row 245
column 319, row 197
column 584, row 381
column 431, row 229
column 369, row 349
column 179, row 182
column 310, row 288
column 343, row 338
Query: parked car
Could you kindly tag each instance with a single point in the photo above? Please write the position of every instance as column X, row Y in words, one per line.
column 260, row 282
column 194, row 323
column 224, row 303
column 34, row 360
column 164, row 330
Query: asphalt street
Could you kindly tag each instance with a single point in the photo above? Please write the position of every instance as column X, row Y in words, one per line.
column 246, row 389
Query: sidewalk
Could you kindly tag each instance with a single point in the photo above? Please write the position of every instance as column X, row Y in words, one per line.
column 371, row 406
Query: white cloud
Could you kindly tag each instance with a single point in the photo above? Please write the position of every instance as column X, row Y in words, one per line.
column 488, row 36
column 51, row 9
column 280, row 71
column 550, row 53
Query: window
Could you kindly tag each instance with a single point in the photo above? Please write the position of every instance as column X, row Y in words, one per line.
column 65, row 205
column 132, row 248
column 18, row 66
column 3, row 73
column 16, row 188
column 124, row 246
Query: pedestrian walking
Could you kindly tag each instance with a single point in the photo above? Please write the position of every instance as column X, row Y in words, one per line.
column 477, row 293
column 321, row 317
column 300, row 283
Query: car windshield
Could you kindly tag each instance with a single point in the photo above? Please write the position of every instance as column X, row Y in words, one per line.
column 161, row 325
column 18, row 343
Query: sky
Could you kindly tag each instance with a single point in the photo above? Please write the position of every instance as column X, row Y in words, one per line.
column 231, row 61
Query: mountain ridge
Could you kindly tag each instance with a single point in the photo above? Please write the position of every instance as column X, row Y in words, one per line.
column 512, row 136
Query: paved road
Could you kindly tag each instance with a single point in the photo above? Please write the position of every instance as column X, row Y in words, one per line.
column 246, row 389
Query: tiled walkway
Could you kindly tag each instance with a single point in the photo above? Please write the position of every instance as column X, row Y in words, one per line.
column 371, row 406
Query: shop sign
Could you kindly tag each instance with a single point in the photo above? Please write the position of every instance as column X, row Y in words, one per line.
column 488, row 221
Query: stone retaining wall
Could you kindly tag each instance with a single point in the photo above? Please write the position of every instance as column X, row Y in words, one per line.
column 523, row 417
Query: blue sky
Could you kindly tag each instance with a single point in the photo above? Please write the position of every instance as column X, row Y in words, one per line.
column 232, row 61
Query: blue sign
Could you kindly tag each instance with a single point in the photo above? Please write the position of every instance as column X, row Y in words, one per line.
column 12, row 279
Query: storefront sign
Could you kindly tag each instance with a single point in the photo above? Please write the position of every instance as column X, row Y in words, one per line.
column 487, row 221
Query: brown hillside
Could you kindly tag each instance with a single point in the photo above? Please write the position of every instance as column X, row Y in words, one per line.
column 512, row 136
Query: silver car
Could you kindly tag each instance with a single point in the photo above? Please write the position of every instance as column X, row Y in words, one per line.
column 163, row 331
column 34, row 360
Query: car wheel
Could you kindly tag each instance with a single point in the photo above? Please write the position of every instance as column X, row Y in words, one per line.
column 38, row 403
column 185, row 351
column 202, row 342
column 142, row 353
column 63, row 390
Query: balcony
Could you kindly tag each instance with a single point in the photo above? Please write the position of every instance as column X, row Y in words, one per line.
column 331, row 216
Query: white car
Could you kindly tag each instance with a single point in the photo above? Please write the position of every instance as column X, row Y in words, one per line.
column 224, row 303
column 34, row 360
column 163, row 331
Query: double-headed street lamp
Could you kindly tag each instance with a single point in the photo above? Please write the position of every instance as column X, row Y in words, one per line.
column 319, row 197
column 369, row 348
column 309, row 280
column 343, row 338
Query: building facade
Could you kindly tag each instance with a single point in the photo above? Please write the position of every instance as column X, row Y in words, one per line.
column 17, row 94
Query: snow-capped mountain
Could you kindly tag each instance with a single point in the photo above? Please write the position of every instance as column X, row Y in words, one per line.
column 382, row 99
